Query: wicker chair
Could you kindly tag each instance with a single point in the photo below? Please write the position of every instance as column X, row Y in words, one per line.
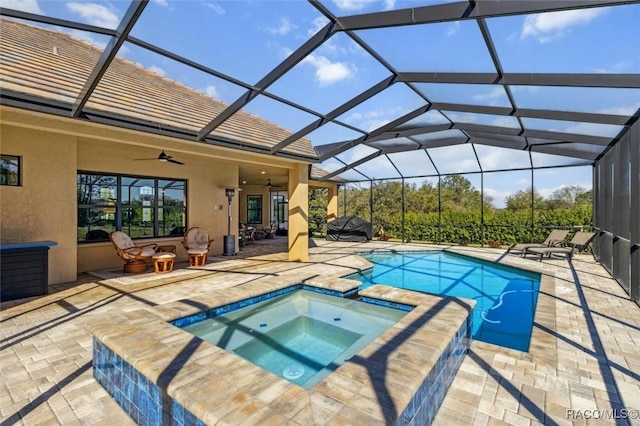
column 196, row 241
column 135, row 256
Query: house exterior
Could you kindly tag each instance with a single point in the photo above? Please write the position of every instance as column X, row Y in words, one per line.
column 132, row 116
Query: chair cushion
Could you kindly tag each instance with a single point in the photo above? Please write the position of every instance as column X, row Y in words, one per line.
column 197, row 251
column 146, row 252
column 197, row 238
column 164, row 255
column 122, row 240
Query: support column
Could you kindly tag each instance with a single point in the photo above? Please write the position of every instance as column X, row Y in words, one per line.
column 332, row 203
column 298, row 233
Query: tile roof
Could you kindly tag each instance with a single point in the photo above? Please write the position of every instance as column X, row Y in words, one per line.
column 55, row 65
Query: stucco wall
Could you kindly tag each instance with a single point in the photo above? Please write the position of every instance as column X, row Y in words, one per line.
column 44, row 207
column 206, row 180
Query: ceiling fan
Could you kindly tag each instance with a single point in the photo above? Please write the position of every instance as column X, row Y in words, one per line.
column 270, row 185
column 163, row 157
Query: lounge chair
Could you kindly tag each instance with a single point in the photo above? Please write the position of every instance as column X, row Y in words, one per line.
column 555, row 239
column 196, row 241
column 579, row 242
column 135, row 256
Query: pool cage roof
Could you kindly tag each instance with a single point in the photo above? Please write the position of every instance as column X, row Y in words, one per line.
column 387, row 89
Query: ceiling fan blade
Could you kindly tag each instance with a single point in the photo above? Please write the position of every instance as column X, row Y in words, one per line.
column 171, row 160
column 144, row 159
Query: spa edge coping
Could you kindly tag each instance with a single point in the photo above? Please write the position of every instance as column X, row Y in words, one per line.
column 195, row 369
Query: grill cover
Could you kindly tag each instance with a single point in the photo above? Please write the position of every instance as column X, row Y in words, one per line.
column 349, row 228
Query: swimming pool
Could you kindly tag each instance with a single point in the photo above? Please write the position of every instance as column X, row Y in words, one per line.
column 506, row 297
column 301, row 336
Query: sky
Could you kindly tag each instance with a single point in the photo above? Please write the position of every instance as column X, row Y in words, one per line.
column 247, row 39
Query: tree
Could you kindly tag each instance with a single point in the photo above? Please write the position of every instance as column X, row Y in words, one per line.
column 521, row 200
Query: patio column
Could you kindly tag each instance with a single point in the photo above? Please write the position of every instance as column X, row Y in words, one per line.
column 298, row 232
column 332, row 203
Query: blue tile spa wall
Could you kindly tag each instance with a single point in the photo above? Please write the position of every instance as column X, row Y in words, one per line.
column 191, row 319
column 143, row 400
column 424, row 405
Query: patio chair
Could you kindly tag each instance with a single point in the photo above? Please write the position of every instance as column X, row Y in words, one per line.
column 196, row 241
column 555, row 239
column 579, row 242
column 135, row 256
column 271, row 232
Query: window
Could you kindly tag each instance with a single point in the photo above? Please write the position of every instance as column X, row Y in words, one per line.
column 279, row 209
column 254, row 209
column 140, row 206
column 9, row 170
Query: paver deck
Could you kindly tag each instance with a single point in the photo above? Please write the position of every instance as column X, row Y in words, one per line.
column 585, row 353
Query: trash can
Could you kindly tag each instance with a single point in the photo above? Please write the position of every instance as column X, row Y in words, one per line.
column 229, row 245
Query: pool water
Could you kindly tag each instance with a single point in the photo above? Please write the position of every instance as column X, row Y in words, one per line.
column 301, row 336
column 506, row 297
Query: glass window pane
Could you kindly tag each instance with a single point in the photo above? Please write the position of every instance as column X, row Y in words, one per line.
column 171, row 193
column 172, row 221
column 97, row 190
column 137, row 191
column 96, row 223
column 10, row 170
column 137, row 222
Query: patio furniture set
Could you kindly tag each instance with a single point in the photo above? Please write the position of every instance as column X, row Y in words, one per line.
column 196, row 242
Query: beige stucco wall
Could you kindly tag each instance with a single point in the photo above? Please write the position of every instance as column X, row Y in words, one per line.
column 206, row 180
column 53, row 149
column 266, row 196
column 44, row 207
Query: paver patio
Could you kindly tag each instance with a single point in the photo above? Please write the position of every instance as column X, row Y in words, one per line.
column 585, row 353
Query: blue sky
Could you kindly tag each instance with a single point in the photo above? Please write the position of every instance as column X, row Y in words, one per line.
column 246, row 39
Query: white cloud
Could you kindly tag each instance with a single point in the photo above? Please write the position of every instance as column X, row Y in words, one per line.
column 317, row 24
column 163, row 3
column 371, row 120
column 453, row 28
column 509, row 122
column 211, row 91
column 499, row 197
column 616, row 68
column 157, row 70
column 284, row 28
column 549, row 26
column 95, row 14
column 353, row 5
column 389, row 4
column 622, row 110
column 491, row 97
column 30, row 6
column 216, row 8
column 328, row 72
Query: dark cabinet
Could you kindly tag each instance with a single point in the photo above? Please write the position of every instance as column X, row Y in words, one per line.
column 24, row 269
